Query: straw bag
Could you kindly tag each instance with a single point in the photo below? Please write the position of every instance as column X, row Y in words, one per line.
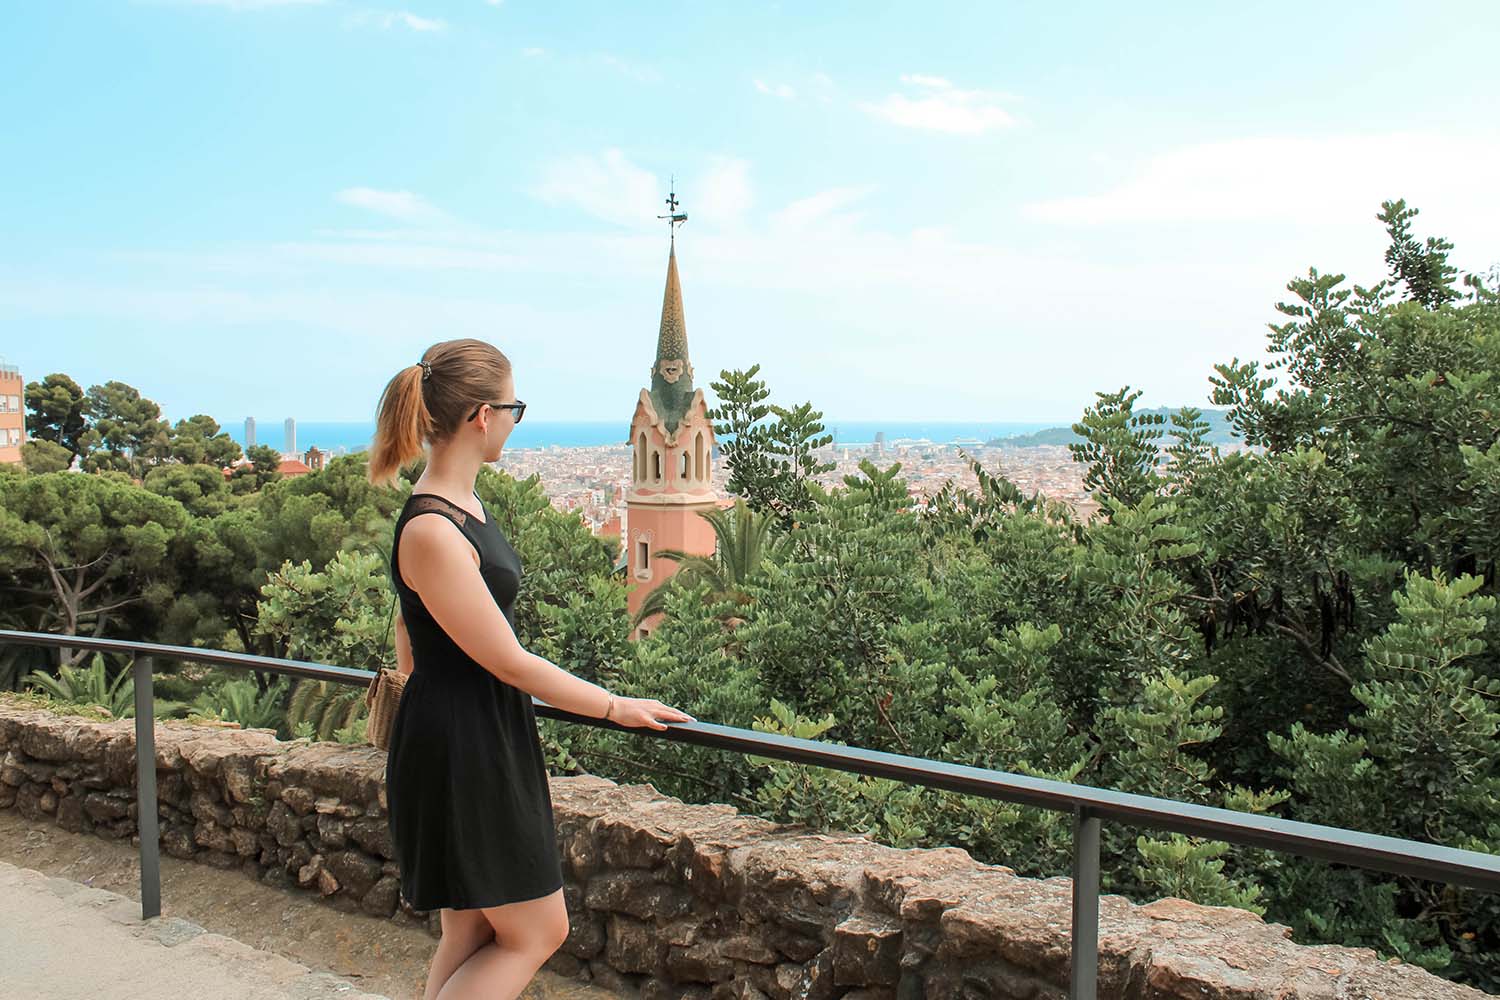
column 383, row 698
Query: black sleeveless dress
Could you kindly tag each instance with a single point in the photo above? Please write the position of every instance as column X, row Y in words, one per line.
column 466, row 782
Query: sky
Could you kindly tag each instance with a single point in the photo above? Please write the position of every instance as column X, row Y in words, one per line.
column 901, row 211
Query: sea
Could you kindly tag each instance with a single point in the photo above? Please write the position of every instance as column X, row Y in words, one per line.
column 341, row 437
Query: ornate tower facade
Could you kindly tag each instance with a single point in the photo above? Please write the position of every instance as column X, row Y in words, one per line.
column 672, row 443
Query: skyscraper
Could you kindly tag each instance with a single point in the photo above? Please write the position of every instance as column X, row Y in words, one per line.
column 249, row 433
column 289, row 446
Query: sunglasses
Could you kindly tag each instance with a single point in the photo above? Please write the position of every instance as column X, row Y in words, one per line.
column 518, row 409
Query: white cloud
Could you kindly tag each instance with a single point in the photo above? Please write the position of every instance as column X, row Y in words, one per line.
column 402, row 205
column 823, row 210
column 722, row 196
column 781, row 90
column 934, row 103
column 1335, row 180
column 385, row 20
column 607, row 187
column 533, row 52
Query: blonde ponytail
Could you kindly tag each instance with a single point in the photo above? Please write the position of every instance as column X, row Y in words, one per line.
column 425, row 402
column 401, row 427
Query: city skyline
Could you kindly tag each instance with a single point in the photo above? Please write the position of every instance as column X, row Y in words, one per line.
column 959, row 213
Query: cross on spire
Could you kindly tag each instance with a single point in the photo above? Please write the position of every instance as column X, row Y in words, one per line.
column 674, row 218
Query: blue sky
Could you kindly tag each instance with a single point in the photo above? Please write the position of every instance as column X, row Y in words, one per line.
column 901, row 211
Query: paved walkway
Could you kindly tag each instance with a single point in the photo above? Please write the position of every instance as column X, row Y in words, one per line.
column 65, row 940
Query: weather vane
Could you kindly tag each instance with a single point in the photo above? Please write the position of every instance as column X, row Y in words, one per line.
column 674, row 218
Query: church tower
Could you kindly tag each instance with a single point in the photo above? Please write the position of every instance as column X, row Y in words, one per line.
column 672, row 443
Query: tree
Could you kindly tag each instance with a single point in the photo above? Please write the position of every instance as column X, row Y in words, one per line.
column 1424, row 270
column 199, row 439
column 201, row 489
column 772, row 464
column 1421, row 759
column 127, row 433
column 91, row 554
column 1120, row 447
column 342, row 615
column 59, row 412
column 263, row 469
column 41, row 455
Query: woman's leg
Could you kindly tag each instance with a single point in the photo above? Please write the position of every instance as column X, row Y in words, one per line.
column 526, row 935
column 464, row 933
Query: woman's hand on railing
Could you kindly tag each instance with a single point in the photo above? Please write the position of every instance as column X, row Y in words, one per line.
column 644, row 712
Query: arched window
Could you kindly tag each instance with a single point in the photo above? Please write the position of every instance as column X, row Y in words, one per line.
column 700, row 470
column 656, row 465
column 640, row 458
column 683, row 467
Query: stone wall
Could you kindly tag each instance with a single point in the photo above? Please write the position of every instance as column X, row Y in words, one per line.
column 676, row 900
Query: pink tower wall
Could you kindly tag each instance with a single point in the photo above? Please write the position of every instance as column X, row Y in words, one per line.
column 674, row 521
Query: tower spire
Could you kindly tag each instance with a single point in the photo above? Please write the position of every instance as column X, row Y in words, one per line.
column 673, row 217
column 672, row 373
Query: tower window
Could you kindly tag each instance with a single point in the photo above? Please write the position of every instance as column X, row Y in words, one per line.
column 656, row 465
column 684, row 463
column 643, row 555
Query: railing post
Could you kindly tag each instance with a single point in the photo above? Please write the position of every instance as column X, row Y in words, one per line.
column 145, row 789
column 1083, row 983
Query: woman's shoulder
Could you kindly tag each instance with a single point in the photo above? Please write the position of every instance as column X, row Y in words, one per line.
column 423, row 503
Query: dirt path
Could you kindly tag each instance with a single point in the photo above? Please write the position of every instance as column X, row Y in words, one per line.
column 380, row 956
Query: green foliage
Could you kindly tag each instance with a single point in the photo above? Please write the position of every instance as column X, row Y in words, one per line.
column 240, row 699
column 201, row 489
column 90, row 554
column 126, row 432
column 93, row 687
column 835, row 800
column 1120, row 448
column 744, row 542
column 558, row 553
column 1424, row 270
column 341, row 615
column 59, row 412
column 771, row 463
column 1421, row 760
column 1192, row 868
column 1304, row 626
column 198, row 440
column 264, row 468
column 41, row 456
column 322, row 709
column 686, row 662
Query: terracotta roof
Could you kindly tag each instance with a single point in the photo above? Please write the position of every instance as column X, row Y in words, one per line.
column 292, row 467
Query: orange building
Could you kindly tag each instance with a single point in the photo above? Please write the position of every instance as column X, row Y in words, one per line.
column 672, row 443
column 12, row 413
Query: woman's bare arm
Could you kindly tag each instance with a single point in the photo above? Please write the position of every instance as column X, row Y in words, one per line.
column 438, row 563
column 404, row 660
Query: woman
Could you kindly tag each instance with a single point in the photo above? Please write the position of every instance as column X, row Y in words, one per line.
column 470, row 810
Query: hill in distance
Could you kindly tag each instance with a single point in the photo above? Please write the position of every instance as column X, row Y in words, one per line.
column 1219, row 432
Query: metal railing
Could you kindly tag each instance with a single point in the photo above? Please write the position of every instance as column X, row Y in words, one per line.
column 1088, row 806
